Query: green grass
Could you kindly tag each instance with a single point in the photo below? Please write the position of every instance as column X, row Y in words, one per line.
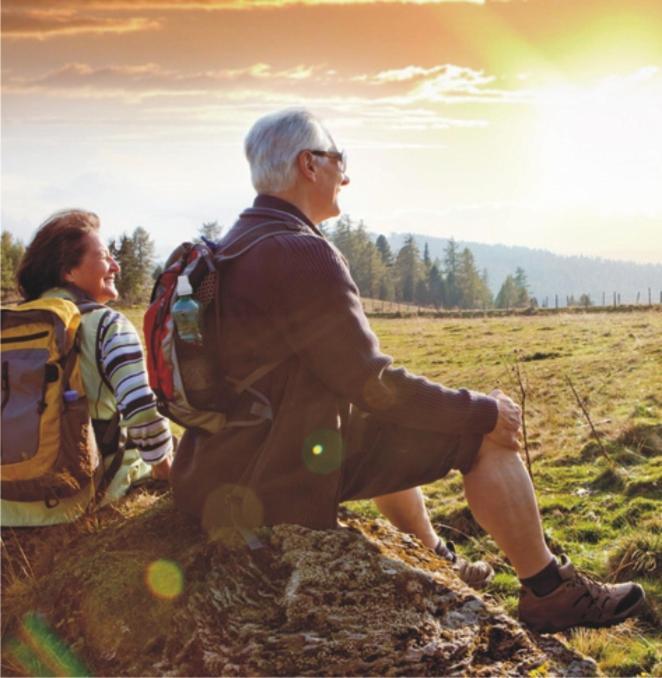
column 603, row 512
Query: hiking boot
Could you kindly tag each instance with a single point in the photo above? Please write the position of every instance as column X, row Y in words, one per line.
column 475, row 574
column 579, row 601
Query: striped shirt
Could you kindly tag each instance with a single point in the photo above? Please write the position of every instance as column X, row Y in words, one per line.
column 122, row 366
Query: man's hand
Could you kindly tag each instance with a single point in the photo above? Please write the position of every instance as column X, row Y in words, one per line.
column 161, row 471
column 507, row 431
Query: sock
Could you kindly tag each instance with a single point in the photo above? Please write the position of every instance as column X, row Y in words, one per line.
column 546, row 581
column 446, row 550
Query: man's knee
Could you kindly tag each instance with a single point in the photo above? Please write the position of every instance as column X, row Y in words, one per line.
column 492, row 451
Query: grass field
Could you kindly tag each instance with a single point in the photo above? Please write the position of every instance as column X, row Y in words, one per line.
column 603, row 512
column 600, row 500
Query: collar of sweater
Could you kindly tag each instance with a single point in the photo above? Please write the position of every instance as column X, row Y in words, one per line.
column 271, row 202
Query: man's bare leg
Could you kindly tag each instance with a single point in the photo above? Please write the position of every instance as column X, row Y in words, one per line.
column 501, row 497
column 406, row 510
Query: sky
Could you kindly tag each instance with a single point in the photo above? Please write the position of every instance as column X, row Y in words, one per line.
column 522, row 122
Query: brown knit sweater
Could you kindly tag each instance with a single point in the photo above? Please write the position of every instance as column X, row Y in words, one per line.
column 291, row 299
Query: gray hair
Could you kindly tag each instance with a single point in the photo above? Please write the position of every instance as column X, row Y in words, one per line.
column 274, row 142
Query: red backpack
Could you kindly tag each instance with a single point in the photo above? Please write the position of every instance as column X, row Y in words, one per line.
column 185, row 377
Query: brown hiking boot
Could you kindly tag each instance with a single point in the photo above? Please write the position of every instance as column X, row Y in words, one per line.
column 579, row 601
column 476, row 574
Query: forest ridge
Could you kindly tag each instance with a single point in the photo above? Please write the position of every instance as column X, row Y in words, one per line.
column 418, row 269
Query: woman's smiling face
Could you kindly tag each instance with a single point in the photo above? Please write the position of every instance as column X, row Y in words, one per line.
column 96, row 272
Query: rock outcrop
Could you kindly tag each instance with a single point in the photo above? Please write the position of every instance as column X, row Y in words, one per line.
column 360, row 600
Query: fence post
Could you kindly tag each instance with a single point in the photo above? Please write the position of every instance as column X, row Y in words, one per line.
column 556, row 300
column 603, row 298
column 649, row 297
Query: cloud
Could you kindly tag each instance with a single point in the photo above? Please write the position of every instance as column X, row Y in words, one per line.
column 189, row 5
column 445, row 83
column 409, row 99
column 44, row 19
column 137, row 82
column 42, row 24
column 406, row 74
column 409, row 85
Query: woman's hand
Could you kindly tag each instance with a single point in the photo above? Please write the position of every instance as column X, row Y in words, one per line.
column 161, row 471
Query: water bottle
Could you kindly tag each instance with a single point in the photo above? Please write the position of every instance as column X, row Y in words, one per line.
column 186, row 313
column 70, row 396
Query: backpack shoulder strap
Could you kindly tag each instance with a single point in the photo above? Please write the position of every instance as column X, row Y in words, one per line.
column 233, row 247
column 118, row 457
column 88, row 306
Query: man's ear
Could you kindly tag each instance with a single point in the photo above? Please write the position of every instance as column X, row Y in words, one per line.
column 67, row 277
column 307, row 166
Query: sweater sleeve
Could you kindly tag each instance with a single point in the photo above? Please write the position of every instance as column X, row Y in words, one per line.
column 317, row 307
column 123, row 367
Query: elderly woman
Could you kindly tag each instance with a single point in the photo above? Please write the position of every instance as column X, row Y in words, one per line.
column 68, row 259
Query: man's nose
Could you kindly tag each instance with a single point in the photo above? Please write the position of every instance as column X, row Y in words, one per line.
column 114, row 266
column 345, row 180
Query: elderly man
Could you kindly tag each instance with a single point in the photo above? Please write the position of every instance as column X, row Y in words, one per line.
column 343, row 422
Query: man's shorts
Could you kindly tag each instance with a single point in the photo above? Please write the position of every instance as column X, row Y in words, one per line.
column 381, row 457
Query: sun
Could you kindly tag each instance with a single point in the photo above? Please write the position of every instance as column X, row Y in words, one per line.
column 600, row 147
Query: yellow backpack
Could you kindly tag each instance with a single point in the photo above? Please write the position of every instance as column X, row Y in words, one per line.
column 49, row 450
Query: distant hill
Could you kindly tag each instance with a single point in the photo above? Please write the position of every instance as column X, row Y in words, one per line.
column 552, row 274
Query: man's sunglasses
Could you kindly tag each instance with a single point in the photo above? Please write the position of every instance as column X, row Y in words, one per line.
column 339, row 156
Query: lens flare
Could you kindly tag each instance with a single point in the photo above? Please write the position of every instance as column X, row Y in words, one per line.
column 40, row 652
column 231, row 514
column 322, row 451
column 164, row 579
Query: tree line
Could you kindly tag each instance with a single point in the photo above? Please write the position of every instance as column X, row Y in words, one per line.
column 406, row 276
column 135, row 253
column 411, row 276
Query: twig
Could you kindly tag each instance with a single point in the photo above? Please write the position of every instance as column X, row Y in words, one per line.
column 27, row 568
column 522, row 383
column 596, row 435
column 522, row 392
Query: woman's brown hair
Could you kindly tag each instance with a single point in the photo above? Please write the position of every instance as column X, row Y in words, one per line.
column 58, row 246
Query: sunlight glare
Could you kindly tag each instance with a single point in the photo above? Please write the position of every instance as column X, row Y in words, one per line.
column 603, row 146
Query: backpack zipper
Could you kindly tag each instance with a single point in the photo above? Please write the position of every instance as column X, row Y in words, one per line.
column 25, row 337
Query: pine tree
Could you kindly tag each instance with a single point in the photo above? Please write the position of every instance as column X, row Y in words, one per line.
column 508, row 294
column 451, row 264
column 12, row 253
column 135, row 255
column 514, row 291
column 436, row 286
column 384, row 250
column 522, row 287
column 407, row 270
column 485, row 293
column 585, row 300
column 468, row 282
column 210, row 230
column 341, row 236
